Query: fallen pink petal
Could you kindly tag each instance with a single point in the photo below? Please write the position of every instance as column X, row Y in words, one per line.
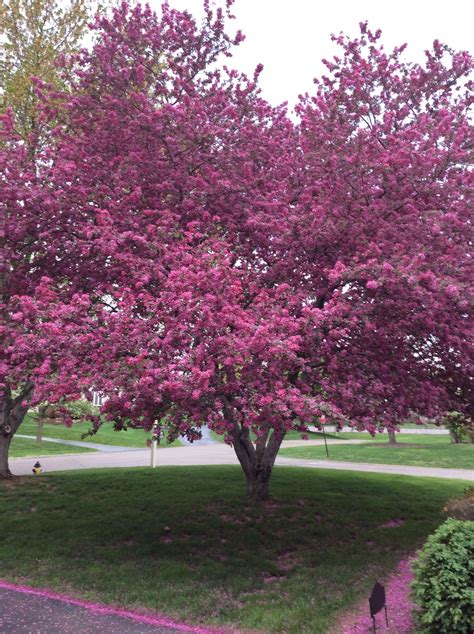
column 399, row 606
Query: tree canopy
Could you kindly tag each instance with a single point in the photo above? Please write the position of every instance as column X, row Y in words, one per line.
column 201, row 259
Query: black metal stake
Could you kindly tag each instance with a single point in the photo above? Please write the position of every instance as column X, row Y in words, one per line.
column 325, row 442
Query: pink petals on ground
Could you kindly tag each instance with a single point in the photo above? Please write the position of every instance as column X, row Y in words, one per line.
column 399, row 606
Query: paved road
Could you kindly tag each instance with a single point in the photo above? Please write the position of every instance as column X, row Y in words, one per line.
column 33, row 611
column 22, row 613
column 219, row 454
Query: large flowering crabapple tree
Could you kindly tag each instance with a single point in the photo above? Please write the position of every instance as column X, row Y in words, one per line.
column 238, row 270
column 272, row 273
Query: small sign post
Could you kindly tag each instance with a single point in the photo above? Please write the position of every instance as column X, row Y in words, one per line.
column 377, row 602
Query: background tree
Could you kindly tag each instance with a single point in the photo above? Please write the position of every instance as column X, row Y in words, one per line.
column 460, row 427
column 33, row 35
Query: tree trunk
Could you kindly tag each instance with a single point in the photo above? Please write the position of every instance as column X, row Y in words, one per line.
column 39, row 431
column 258, row 484
column 256, row 460
column 12, row 413
column 40, row 420
column 392, row 439
column 4, row 448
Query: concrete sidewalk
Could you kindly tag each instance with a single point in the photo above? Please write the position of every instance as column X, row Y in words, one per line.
column 330, row 429
column 217, row 454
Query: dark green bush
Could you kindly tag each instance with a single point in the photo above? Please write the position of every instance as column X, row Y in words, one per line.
column 443, row 588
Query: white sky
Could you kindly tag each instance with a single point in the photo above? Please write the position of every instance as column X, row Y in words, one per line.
column 290, row 37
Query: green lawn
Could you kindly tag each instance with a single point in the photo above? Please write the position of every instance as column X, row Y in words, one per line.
column 312, row 435
column 184, row 542
column 24, row 447
column 217, row 437
column 106, row 434
column 401, row 437
column 364, row 435
column 417, row 450
column 379, row 437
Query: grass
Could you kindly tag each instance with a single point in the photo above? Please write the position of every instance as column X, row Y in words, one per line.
column 363, row 435
column 420, row 450
column 290, row 435
column 184, row 542
column 317, row 435
column 24, row 447
column 312, row 435
column 401, row 437
column 105, row 436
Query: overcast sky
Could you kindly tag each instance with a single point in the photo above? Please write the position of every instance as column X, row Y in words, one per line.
column 289, row 37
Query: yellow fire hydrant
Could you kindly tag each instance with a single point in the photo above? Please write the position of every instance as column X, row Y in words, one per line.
column 37, row 468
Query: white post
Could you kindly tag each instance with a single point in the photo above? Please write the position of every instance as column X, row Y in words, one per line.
column 154, row 445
